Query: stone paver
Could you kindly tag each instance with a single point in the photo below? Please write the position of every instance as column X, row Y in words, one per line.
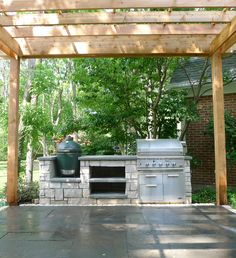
column 117, row 232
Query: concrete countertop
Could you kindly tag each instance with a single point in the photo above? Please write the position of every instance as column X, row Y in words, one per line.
column 102, row 157
column 188, row 158
column 47, row 158
column 109, row 157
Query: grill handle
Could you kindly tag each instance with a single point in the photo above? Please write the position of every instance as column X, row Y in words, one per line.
column 150, row 176
column 175, row 175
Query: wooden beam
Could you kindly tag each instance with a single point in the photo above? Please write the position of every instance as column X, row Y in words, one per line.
column 115, row 45
column 226, row 38
column 8, row 45
column 219, row 129
column 229, row 45
column 117, row 18
column 231, row 49
column 114, row 30
column 3, row 55
column 46, row 5
column 13, row 118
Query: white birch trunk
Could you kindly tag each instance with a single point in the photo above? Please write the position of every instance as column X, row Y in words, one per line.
column 29, row 163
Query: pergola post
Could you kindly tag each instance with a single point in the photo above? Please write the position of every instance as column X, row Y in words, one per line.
column 219, row 129
column 13, row 122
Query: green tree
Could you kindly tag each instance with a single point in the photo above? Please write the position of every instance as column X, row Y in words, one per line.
column 124, row 99
column 4, row 81
column 230, row 136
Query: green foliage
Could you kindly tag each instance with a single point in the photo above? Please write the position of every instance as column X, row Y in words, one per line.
column 36, row 123
column 44, row 80
column 109, row 102
column 232, row 198
column 208, row 195
column 3, row 111
column 27, row 192
column 230, row 134
column 2, row 199
column 118, row 96
column 205, row 195
column 102, row 145
column 174, row 107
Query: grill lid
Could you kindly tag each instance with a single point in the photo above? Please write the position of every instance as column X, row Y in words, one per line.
column 68, row 146
column 160, row 147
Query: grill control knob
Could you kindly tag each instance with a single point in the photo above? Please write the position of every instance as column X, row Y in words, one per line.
column 154, row 164
column 160, row 164
column 167, row 164
column 173, row 164
column 147, row 165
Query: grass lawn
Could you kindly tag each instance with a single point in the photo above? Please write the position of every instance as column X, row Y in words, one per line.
column 3, row 180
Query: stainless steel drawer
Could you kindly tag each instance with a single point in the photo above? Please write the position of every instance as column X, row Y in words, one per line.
column 150, row 178
column 151, row 192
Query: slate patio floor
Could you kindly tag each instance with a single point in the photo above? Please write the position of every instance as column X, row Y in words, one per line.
column 117, row 232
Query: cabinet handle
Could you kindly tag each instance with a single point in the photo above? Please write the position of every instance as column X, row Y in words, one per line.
column 150, row 176
column 151, row 185
column 173, row 175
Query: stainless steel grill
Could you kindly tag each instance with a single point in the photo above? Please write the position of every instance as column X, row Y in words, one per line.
column 161, row 171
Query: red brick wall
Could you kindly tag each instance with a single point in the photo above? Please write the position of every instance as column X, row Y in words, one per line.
column 201, row 146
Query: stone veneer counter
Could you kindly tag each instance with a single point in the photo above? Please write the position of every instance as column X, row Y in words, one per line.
column 77, row 191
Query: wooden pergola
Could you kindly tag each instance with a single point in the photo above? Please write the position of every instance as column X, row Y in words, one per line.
column 59, row 28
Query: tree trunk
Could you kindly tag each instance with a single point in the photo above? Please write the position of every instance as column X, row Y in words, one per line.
column 75, row 137
column 26, row 99
column 44, row 146
column 184, row 130
column 29, row 163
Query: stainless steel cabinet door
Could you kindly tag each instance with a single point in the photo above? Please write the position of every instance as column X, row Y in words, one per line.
column 174, row 187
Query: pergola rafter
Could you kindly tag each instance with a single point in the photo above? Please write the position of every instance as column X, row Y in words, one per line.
column 115, row 46
column 114, row 30
column 49, row 5
column 35, row 19
column 55, row 28
column 83, row 30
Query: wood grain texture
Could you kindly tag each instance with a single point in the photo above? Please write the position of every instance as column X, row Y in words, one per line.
column 226, row 39
column 8, row 45
column 219, row 129
column 114, row 30
column 46, row 5
column 115, row 45
column 117, row 18
column 13, row 121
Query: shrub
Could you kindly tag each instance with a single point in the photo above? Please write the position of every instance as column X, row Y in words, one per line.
column 2, row 199
column 208, row 195
column 204, row 195
column 27, row 192
column 232, row 198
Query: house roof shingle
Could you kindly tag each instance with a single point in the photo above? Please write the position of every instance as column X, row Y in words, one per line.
column 194, row 68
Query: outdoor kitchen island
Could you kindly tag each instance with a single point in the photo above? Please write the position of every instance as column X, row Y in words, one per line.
column 106, row 179
column 155, row 175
